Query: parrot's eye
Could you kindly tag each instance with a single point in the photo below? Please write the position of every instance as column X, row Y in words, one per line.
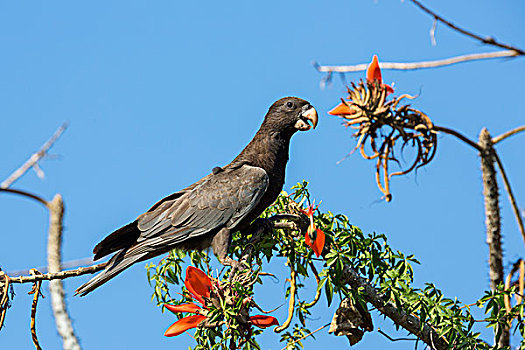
column 290, row 104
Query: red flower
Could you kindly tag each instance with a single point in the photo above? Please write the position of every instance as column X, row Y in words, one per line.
column 262, row 321
column 314, row 237
column 199, row 285
column 183, row 325
column 373, row 73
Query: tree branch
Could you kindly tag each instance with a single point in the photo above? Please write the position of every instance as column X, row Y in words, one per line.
column 32, row 161
column 59, row 275
column 508, row 134
column 512, row 198
column 400, row 317
column 36, row 294
column 25, row 194
column 485, row 40
column 56, row 288
column 418, row 65
column 492, row 221
column 458, row 135
column 411, row 323
column 70, row 264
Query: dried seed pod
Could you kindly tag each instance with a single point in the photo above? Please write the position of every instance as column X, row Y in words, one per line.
column 351, row 320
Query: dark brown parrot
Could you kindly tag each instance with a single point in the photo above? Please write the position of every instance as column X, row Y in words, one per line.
column 206, row 213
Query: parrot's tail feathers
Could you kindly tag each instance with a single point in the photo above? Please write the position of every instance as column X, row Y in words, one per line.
column 118, row 263
column 122, row 238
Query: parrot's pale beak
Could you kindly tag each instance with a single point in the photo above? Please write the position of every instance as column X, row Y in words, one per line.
column 310, row 115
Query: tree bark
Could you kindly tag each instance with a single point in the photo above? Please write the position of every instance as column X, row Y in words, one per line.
column 56, row 288
column 492, row 219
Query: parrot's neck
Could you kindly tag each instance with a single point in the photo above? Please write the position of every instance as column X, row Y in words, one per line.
column 268, row 151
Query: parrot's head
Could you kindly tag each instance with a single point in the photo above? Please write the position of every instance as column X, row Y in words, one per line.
column 291, row 114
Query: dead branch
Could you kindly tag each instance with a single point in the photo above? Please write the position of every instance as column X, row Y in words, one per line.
column 418, row 65
column 70, row 264
column 36, row 293
column 56, row 288
column 489, row 40
column 512, row 198
column 492, row 214
column 33, row 160
column 507, row 134
column 459, row 136
column 59, row 275
column 25, row 194
column 492, row 219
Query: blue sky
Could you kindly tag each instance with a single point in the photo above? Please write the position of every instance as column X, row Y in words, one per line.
column 158, row 93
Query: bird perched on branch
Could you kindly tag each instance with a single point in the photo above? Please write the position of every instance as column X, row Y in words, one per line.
column 207, row 213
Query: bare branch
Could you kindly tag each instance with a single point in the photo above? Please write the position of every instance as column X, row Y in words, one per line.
column 492, row 221
column 56, row 288
column 36, row 294
column 70, row 264
column 58, row 275
column 419, row 65
column 485, row 40
column 32, row 161
column 512, row 198
column 433, row 33
column 508, row 134
column 25, row 194
column 458, row 135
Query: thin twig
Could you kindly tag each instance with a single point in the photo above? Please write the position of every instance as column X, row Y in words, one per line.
column 395, row 339
column 305, row 336
column 418, row 65
column 25, row 194
column 32, row 161
column 512, row 198
column 36, row 294
column 70, row 264
column 458, row 135
column 59, row 275
column 507, row 134
column 486, row 40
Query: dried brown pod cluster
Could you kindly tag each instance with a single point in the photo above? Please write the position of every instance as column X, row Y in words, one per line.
column 385, row 127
